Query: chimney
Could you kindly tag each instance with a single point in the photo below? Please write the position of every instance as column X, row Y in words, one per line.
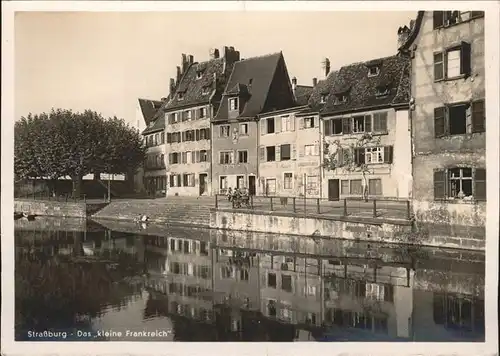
column 179, row 74
column 230, row 57
column 403, row 34
column 294, row 85
column 184, row 63
column 315, row 82
column 214, row 53
column 163, row 99
column 190, row 59
column 326, row 66
column 172, row 86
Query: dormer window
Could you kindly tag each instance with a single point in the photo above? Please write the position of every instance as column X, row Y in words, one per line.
column 233, row 104
column 373, row 71
column 340, row 99
column 382, row 91
column 199, row 74
column 205, row 90
column 180, row 96
column 323, row 98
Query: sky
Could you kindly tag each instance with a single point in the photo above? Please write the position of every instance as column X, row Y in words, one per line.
column 104, row 61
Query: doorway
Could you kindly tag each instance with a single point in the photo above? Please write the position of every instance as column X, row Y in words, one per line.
column 333, row 189
column 251, row 185
column 203, row 183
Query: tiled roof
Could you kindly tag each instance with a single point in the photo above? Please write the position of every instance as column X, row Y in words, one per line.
column 194, row 89
column 302, row 94
column 361, row 90
column 256, row 74
column 157, row 124
column 149, row 108
column 323, row 87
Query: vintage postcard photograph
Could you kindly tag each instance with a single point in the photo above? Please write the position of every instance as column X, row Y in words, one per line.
column 250, row 178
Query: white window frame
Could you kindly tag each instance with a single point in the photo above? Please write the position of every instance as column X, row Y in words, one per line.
column 230, row 155
column 312, row 182
column 285, row 180
column 311, row 151
column 188, row 115
column 377, row 71
column 245, row 131
column 199, row 74
column 452, row 69
column 238, row 152
column 223, row 182
column 374, row 155
column 222, row 130
column 203, row 113
column 323, row 99
column 311, row 120
column 234, row 104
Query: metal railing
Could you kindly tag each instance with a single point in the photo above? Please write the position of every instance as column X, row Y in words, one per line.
column 372, row 207
column 45, row 196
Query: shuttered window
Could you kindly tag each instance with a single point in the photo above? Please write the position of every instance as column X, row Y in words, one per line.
column 460, row 183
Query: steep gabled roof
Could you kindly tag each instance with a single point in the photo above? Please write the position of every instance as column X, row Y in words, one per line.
column 256, row 74
column 302, row 94
column 198, row 91
column 156, row 125
column 353, row 80
column 413, row 33
column 149, row 109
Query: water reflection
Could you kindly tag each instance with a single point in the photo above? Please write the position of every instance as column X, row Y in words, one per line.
column 207, row 285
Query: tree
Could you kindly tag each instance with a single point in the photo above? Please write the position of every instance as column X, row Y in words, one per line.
column 63, row 143
column 346, row 155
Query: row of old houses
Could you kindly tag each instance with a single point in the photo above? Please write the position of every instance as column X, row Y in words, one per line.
column 411, row 125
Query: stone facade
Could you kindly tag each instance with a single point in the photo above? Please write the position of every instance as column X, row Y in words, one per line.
column 448, row 120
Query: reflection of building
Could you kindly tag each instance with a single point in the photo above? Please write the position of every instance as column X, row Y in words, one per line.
column 448, row 125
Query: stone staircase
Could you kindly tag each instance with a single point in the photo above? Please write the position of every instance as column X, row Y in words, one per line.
column 177, row 210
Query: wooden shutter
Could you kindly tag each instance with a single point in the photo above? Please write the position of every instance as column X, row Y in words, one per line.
column 292, row 122
column 478, row 116
column 439, row 183
column 194, row 114
column 232, row 157
column 209, row 159
column 316, row 149
column 293, row 151
column 465, row 59
column 169, row 137
column 301, row 150
column 388, row 153
column 301, row 123
column 340, row 156
column 196, row 157
column 346, row 125
column 359, row 155
column 193, row 180
column 277, row 124
column 440, row 121
column 277, row 153
column 480, row 184
column 170, row 158
column 327, row 127
column 262, row 153
column 368, row 123
column 263, row 123
column 438, row 17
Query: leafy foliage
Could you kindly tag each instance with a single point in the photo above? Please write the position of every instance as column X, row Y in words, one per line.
column 342, row 156
column 63, row 143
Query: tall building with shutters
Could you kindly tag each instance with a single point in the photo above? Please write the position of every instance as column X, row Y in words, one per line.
column 366, row 130
column 448, row 120
column 195, row 98
column 281, row 138
column 256, row 86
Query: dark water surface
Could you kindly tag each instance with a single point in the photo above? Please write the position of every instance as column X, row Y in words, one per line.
column 78, row 280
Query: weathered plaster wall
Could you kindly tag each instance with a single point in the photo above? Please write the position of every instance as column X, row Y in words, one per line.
column 430, row 152
column 233, row 143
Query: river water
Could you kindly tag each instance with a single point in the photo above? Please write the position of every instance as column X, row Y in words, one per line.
column 78, row 280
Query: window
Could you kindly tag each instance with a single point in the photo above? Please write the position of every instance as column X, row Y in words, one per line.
column 205, row 90
column 162, row 138
column 310, row 290
column 233, row 104
column 340, row 99
column 224, row 131
column 285, row 152
column 287, row 124
column 288, row 180
column 240, row 182
column 223, row 182
column 286, row 283
column 459, row 119
column 374, row 155
column 453, row 62
column 310, row 150
column 333, row 127
column 449, row 18
column 271, row 307
column 244, row 275
column 309, row 122
column 270, row 153
column 356, row 187
column 344, row 187
column 199, row 74
column 226, row 157
column 174, row 158
column 373, row 71
column 243, row 156
column 375, row 186
column 271, row 280
column 270, row 125
column 226, row 272
column 202, row 113
column 244, row 129
column 382, row 91
column 460, row 183
column 162, row 160
column 270, row 186
column 203, row 156
column 358, row 123
column 180, row 96
column 323, row 98
column 380, row 122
